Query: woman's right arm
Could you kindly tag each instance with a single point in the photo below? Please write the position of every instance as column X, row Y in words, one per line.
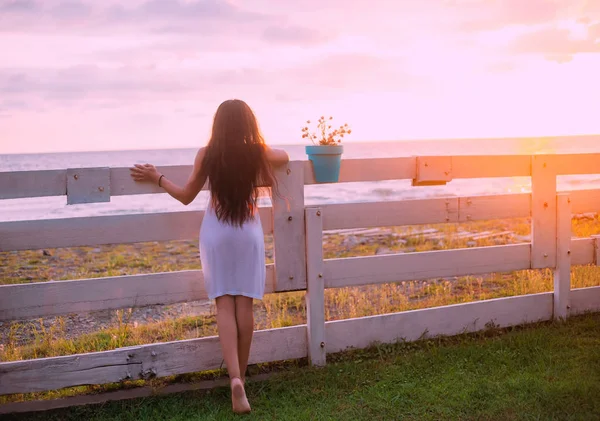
column 276, row 157
column 185, row 194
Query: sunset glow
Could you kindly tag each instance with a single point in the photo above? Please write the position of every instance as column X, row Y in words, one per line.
column 103, row 75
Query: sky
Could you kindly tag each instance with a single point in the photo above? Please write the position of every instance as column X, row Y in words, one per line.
column 144, row 74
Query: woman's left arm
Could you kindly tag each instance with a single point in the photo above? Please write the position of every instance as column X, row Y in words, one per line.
column 185, row 194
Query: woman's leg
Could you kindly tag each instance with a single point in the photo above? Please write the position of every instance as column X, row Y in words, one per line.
column 228, row 333
column 244, row 317
column 228, row 336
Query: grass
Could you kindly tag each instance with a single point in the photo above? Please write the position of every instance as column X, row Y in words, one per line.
column 549, row 371
column 51, row 342
column 288, row 309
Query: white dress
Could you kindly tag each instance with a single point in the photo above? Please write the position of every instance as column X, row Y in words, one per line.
column 233, row 258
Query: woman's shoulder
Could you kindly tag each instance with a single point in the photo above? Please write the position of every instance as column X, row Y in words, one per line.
column 276, row 156
column 200, row 154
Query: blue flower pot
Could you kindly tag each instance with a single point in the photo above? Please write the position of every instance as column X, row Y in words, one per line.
column 326, row 162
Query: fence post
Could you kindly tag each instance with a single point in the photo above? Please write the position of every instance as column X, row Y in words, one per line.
column 288, row 228
column 543, row 212
column 562, row 271
column 596, row 249
column 315, row 296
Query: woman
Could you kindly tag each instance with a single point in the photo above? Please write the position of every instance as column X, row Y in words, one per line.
column 235, row 162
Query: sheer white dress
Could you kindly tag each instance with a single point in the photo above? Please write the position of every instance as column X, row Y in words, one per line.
column 233, row 258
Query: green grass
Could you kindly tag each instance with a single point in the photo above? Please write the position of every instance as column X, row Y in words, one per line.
column 549, row 371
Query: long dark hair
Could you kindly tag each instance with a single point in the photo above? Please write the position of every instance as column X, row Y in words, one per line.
column 236, row 163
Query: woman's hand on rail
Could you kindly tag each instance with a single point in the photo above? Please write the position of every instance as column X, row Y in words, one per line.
column 185, row 194
column 145, row 172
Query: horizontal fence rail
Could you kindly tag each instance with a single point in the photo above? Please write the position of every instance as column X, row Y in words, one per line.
column 113, row 229
column 27, row 301
column 299, row 263
column 21, row 184
column 583, row 300
column 430, row 322
column 354, row 271
column 168, row 226
column 144, row 361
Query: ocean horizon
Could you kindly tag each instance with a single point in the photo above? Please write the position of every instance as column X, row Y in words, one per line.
column 56, row 207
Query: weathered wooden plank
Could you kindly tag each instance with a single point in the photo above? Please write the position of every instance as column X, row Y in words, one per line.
column 582, row 251
column 543, row 212
column 138, row 362
column 122, row 184
column 374, row 169
column 315, row 295
column 120, row 395
column 584, row 300
column 473, row 166
column 351, row 170
column 21, row 184
column 43, row 299
column 387, row 214
column 116, row 395
column 113, row 229
column 88, row 185
column 488, row 207
column 585, row 201
column 596, row 239
column 562, row 272
column 288, row 228
column 426, row 265
column 426, row 323
column 581, row 163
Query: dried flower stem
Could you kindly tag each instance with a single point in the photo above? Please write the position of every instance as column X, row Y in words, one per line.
column 326, row 138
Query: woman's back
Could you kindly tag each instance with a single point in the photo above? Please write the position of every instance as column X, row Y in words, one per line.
column 236, row 163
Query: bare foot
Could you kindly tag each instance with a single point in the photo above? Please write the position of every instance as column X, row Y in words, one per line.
column 239, row 401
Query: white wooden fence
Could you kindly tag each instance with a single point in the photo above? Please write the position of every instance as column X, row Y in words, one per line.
column 299, row 263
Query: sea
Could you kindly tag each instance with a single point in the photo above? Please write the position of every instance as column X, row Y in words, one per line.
column 56, row 207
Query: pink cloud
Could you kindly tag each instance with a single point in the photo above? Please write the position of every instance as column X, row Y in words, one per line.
column 486, row 15
column 590, row 10
column 557, row 44
column 291, row 34
column 501, row 67
column 594, row 32
column 174, row 16
column 145, row 69
column 88, row 85
column 352, row 72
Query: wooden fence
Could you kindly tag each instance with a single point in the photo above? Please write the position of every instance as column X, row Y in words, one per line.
column 299, row 262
